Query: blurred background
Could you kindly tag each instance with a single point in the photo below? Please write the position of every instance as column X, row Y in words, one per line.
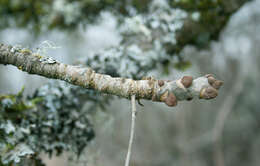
column 223, row 131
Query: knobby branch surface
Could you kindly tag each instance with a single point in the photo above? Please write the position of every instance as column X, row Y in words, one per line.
column 167, row 91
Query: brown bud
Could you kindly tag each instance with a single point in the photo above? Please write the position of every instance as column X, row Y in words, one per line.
column 217, row 84
column 211, row 80
column 186, row 81
column 208, row 75
column 208, row 93
column 160, row 83
column 171, row 100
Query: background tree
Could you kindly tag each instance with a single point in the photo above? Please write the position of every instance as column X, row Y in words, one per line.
column 153, row 33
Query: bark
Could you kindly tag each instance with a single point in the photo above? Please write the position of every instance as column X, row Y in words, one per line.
column 171, row 91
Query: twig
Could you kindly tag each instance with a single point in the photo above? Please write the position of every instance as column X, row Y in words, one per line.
column 169, row 92
column 127, row 160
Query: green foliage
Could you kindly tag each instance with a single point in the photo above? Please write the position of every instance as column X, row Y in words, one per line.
column 163, row 25
column 64, row 14
column 214, row 15
column 183, row 65
column 52, row 120
column 143, row 45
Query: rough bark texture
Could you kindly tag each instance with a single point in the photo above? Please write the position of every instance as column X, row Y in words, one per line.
column 170, row 92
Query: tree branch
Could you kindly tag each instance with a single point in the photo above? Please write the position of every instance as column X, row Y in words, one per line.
column 205, row 87
column 132, row 132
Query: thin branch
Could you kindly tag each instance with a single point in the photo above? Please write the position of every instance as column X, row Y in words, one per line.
column 169, row 92
column 127, row 160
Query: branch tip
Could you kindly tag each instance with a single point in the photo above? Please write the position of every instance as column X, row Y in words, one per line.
column 167, row 91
